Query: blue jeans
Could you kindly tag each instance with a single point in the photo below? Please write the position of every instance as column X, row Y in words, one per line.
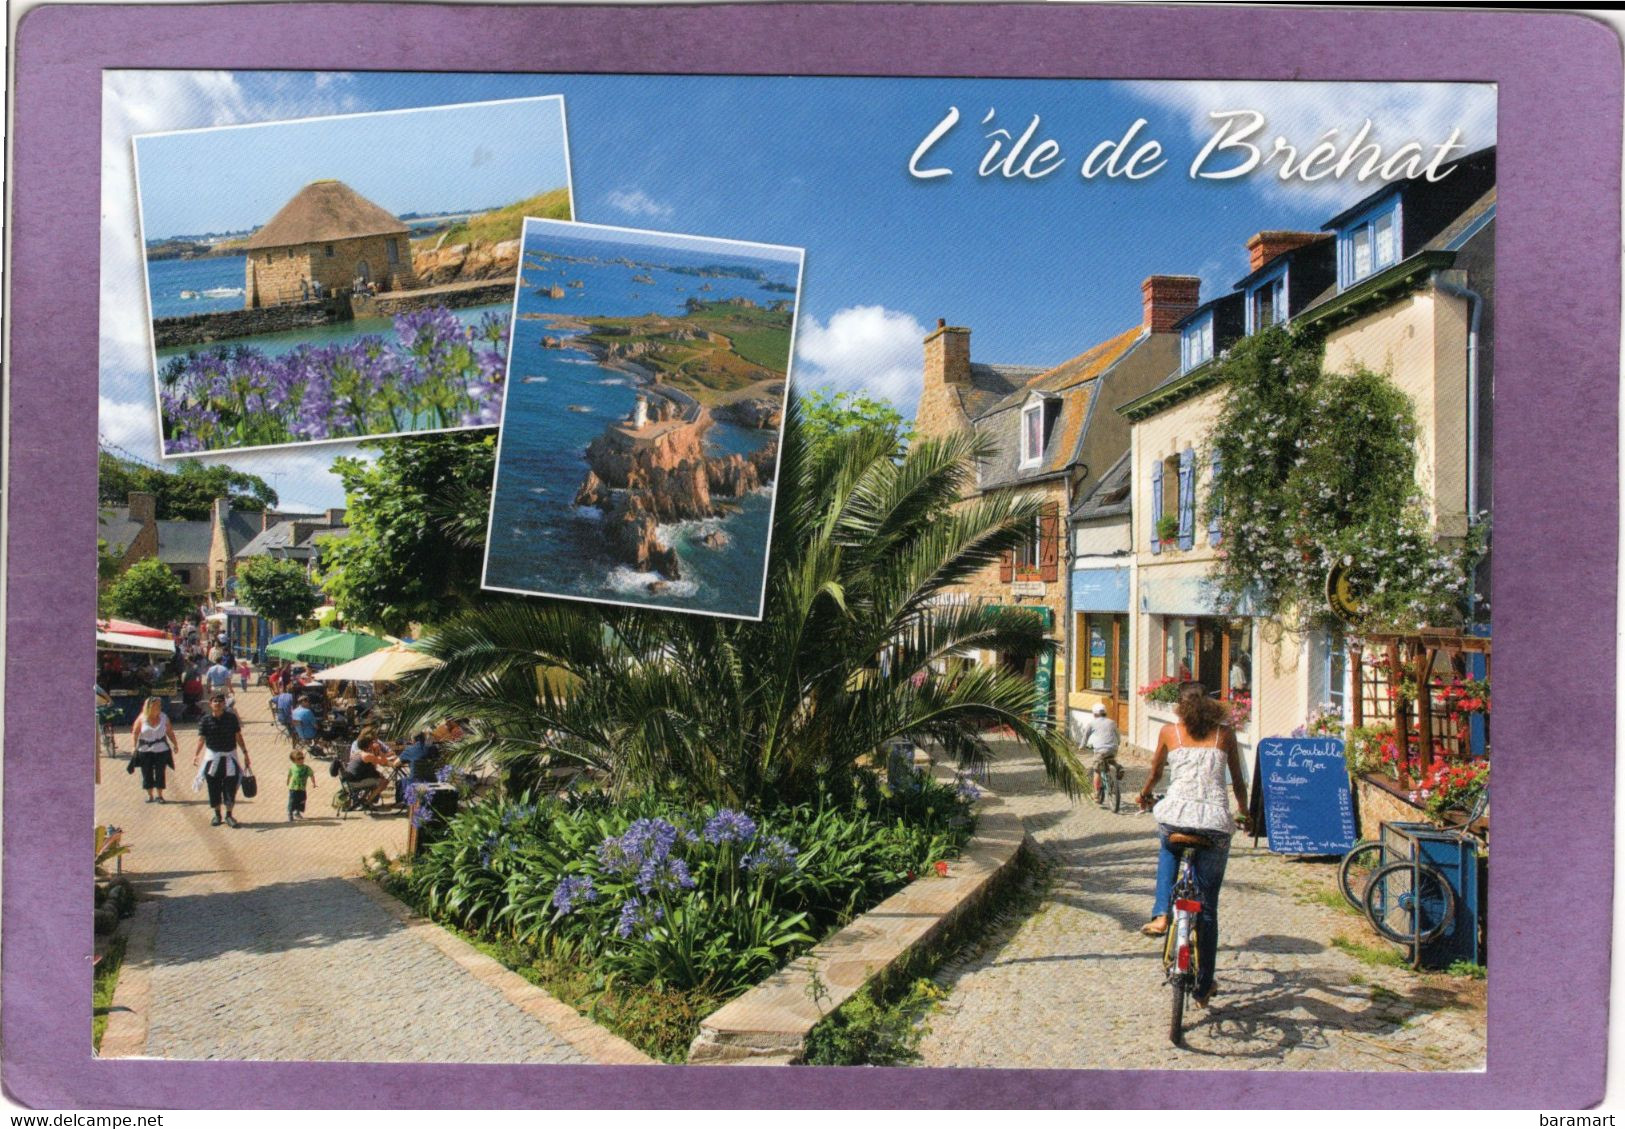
column 1210, row 864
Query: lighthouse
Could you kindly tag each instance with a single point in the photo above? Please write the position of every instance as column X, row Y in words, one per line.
column 640, row 413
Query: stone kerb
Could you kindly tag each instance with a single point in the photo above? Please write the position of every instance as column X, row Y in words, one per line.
column 768, row 1025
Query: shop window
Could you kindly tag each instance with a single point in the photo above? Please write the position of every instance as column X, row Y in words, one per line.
column 1218, row 653
column 1333, row 672
column 1101, row 662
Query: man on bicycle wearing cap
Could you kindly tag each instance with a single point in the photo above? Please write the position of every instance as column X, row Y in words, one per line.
column 1100, row 734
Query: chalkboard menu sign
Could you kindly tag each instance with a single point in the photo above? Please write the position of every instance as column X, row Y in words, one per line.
column 1301, row 785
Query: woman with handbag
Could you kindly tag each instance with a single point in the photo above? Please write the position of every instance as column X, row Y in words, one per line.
column 222, row 734
column 155, row 747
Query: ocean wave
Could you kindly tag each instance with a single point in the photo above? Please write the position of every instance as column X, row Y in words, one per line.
column 613, row 380
column 588, row 513
column 538, row 490
column 535, row 380
column 691, row 530
column 631, row 582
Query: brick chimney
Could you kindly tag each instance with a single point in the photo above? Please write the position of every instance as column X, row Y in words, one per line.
column 947, row 355
column 268, row 518
column 1169, row 297
column 143, row 508
column 1268, row 245
column 335, row 518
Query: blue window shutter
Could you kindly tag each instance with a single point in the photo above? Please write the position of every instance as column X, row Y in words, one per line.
column 1154, row 509
column 1214, row 533
column 1187, row 498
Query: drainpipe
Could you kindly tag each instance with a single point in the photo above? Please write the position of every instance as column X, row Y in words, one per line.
column 1475, row 307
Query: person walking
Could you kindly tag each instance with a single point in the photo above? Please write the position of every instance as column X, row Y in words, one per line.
column 217, row 678
column 155, row 748
column 1197, row 750
column 243, row 671
column 300, row 777
column 222, row 734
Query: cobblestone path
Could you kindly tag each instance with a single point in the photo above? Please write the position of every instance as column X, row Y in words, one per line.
column 263, row 949
column 1074, row 984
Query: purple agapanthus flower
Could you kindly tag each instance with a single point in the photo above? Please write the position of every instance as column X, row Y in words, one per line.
column 635, row 915
column 773, row 855
column 729, row 827
column 572, row 891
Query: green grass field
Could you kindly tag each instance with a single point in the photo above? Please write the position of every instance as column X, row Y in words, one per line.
column 506, row 223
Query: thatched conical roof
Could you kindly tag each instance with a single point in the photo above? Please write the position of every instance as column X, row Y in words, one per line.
column 323, row 211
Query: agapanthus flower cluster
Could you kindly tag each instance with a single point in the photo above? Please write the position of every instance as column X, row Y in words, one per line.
column 436, row 374
column 773, row 854
column 965, row 788
column 644, row 850
column 729, row 827
column 635, row 915
column 572, row 891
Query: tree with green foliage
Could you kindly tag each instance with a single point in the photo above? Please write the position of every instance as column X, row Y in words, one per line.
column 827, row 416
column 416, row 519
column 185, row 494
column 149, row 593
column 851, row 653
column 279, row 590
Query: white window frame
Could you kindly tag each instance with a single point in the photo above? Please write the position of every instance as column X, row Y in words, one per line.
column 1196, row 343
column 1365, row 224
column 1032, row 457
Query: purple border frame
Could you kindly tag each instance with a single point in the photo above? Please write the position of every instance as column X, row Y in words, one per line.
column 1555, row 568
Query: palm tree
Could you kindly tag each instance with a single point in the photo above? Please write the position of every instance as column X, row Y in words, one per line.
column 867, row 542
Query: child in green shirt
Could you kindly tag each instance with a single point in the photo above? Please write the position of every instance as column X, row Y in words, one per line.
column 299, row 776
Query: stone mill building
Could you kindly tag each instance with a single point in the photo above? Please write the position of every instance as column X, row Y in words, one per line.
column 322, row 242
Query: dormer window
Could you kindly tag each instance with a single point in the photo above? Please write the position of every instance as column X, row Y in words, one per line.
column 1196, row 342
column 1368, row 243
column 1037, row 421
column 1266, row 302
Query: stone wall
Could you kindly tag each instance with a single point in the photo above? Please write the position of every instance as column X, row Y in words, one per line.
column 278, row 275
column 454, row 297
column 201, row 328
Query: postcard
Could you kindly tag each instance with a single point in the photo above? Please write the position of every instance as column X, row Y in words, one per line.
column 339, row 277
column 990, row 576
column 644, row 401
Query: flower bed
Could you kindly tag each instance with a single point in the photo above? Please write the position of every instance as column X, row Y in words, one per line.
column 650, row 912
column 436, row 374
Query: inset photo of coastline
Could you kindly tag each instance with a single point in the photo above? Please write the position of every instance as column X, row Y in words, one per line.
column 340, row 277
column 644, row 405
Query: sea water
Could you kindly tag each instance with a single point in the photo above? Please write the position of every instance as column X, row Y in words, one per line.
column 560, row 400
column 168, row 279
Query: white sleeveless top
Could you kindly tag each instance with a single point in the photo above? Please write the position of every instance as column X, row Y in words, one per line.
column 1196, row 796
column 153, row 738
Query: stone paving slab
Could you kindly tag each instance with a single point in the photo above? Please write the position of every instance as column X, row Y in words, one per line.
column 257, row 942
column 1075, row 984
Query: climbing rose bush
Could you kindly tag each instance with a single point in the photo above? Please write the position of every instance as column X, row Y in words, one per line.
column 434, row 374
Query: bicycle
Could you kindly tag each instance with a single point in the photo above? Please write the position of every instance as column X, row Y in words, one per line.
column 106, row 719
column 1181, row 960
column 1108, row 781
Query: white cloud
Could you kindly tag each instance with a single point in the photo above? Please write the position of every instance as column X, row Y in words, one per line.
column 1302, row 112
column 134, row 427
column 636, row 202
column 867, row 349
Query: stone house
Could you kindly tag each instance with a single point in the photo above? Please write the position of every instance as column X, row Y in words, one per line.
column 322, row 242
column 1402, row 282
column 1050, row 437
column 134, row 533
column 294, row 537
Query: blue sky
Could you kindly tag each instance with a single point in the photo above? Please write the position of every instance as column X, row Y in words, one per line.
column 1039, row 271
column 235, row 178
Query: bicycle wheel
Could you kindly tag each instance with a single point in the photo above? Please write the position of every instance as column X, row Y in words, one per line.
column 1354, row 876
column 1100, row 787
column 1409, row 903
column 1176, row 1023
column 1113, row 787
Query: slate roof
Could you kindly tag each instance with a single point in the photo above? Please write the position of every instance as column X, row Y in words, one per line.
column 323, row 535
column 992, row 383
column 289, row 537
column 184, row 542
column 242, row 526
column 324, row 211
column 1110, row 496
column 1072, row 382
column 115, row 526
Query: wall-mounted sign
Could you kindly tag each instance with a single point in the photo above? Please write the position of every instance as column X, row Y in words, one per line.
column 1027, row 588
column 1343, row 594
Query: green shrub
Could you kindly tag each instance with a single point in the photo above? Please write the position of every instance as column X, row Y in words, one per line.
column 870, row 1032
column 648, row 891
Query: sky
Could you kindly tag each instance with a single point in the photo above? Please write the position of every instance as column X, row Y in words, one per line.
column 549, row 234
column 451, row 159
column 1039, row 269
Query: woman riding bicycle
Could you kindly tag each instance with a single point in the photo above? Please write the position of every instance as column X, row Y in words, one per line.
column 1197, row 751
